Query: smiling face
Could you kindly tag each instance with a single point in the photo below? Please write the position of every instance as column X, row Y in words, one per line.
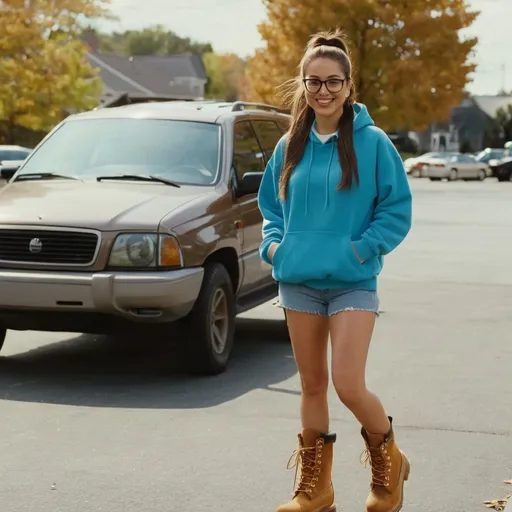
column 326, row 87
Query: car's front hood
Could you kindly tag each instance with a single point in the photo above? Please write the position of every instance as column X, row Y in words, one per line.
column 104, row 206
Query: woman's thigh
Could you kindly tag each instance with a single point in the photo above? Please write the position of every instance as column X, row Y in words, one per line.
column 308, row 326
column 351, row 325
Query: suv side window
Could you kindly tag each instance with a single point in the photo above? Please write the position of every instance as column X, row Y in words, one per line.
column 268, row 134
column 247, row 155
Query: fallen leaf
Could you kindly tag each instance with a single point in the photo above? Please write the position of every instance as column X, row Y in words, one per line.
column 498, row 504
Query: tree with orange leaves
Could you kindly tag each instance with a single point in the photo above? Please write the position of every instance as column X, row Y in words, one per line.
column 411, row 63
column 43, row 71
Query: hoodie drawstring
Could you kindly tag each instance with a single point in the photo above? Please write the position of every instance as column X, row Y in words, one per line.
column 327, row 177
column 309, row 174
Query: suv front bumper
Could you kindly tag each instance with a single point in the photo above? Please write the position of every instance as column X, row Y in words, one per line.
column 139, row 296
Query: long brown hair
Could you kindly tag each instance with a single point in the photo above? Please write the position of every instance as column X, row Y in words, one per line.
column 330, row 45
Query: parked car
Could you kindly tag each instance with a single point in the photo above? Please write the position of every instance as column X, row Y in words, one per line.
column 12, row 152
column 415, row 165
column 455, row 166
column 141, row 219
column 11, row 157
column 502, row 169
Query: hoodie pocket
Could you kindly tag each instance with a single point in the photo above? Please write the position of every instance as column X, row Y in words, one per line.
column 311, row 255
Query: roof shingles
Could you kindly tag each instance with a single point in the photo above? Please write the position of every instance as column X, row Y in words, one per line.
column 173, row 75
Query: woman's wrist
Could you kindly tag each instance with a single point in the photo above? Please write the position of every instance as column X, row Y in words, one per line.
column 271, row 250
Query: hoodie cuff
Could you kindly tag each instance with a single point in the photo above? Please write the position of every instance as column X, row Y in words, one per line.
column 264, row 248
column 363, row 250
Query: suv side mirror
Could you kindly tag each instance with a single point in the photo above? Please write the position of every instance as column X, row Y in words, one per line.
column 250, row 183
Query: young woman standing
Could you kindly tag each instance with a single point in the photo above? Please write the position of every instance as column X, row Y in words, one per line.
column 335, row 198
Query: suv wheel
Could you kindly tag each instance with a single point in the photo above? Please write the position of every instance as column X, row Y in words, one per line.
column 3, row 333
column 210, row 327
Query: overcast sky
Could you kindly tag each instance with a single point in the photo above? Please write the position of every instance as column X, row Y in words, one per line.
column 231, row 26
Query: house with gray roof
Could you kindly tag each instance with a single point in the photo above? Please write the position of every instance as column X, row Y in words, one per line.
column 130, row 79
column 472, row 123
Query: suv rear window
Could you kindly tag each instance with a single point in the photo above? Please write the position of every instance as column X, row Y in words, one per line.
column 186, row 152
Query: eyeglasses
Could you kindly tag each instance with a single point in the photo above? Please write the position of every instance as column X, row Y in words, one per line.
column 333, row 85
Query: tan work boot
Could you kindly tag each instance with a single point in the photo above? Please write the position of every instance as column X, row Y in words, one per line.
column 313, row 461
column 390, row 469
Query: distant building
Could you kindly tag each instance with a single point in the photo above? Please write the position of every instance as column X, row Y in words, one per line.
column 471, row 125
column 146, row 77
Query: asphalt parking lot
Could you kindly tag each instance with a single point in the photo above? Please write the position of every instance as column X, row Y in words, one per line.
column 91, row 424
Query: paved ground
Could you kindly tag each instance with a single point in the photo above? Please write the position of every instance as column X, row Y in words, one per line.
column 92, row 426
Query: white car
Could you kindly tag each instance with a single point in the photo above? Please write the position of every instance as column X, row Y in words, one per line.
column 414, row 165
column 455, row 166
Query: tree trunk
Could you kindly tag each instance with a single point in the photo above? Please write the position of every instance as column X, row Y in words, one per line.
column 361, row 49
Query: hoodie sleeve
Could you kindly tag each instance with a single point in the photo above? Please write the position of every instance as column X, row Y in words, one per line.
column 269, row 204
column 393, row 211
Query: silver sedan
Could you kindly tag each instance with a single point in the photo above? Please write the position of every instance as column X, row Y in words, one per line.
column 456, row 166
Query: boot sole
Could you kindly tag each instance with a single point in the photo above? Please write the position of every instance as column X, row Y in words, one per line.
column 404, row 475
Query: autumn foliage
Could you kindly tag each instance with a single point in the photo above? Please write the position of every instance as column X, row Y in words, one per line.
column 44, row 74
column 411, row 62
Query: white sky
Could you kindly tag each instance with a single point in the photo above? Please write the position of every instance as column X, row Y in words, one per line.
column 231, row 26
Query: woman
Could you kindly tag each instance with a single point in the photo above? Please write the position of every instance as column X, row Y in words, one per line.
column 335, row 199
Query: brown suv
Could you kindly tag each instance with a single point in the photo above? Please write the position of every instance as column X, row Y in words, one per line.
column 142, row 217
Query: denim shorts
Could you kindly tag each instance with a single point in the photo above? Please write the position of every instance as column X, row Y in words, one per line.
column 327, row 302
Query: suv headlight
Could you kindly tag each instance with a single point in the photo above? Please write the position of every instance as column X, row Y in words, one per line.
column 145, row 250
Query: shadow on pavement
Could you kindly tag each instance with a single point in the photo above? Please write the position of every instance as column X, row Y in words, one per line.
column 98, row 371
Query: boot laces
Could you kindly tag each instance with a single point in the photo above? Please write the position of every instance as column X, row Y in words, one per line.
column 307, row 460
column 380, row 463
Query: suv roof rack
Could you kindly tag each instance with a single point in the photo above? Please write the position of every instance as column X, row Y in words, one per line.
column 243, row 105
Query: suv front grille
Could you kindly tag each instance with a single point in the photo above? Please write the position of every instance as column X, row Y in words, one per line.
column 57, row 247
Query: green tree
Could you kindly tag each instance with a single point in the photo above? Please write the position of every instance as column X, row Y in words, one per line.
column 411, row 63
column 226, row 76
column 504, row 121
column 154, row 40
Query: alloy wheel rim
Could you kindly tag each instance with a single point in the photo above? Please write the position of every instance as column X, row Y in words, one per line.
column 219, row 321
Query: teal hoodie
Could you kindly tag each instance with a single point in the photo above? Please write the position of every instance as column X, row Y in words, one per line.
column 320, row 230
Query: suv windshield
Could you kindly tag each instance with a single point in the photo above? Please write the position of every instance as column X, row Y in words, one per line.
column 181, row 151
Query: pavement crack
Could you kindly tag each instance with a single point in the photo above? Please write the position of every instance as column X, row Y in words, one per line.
column 502, row 433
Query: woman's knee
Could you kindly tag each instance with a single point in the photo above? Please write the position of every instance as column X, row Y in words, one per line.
column 349, row 389
column 314, row 384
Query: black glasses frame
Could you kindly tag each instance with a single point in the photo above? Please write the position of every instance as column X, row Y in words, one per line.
column 341, row 81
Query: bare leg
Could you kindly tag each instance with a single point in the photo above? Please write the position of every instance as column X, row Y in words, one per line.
column 309, row 334
column 351, row 333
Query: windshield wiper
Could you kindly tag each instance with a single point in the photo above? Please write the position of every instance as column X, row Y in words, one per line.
column 43, row 176
column 140, row 177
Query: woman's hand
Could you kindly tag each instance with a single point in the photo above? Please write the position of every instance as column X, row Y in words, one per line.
column 271, row 250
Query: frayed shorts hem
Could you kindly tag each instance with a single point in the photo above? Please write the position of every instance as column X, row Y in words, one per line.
column 328, row 302
column 331, row 313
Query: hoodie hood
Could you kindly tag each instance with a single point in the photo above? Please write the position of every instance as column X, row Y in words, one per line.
column 328, row 149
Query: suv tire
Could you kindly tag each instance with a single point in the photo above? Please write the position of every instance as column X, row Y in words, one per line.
column 209, row 328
